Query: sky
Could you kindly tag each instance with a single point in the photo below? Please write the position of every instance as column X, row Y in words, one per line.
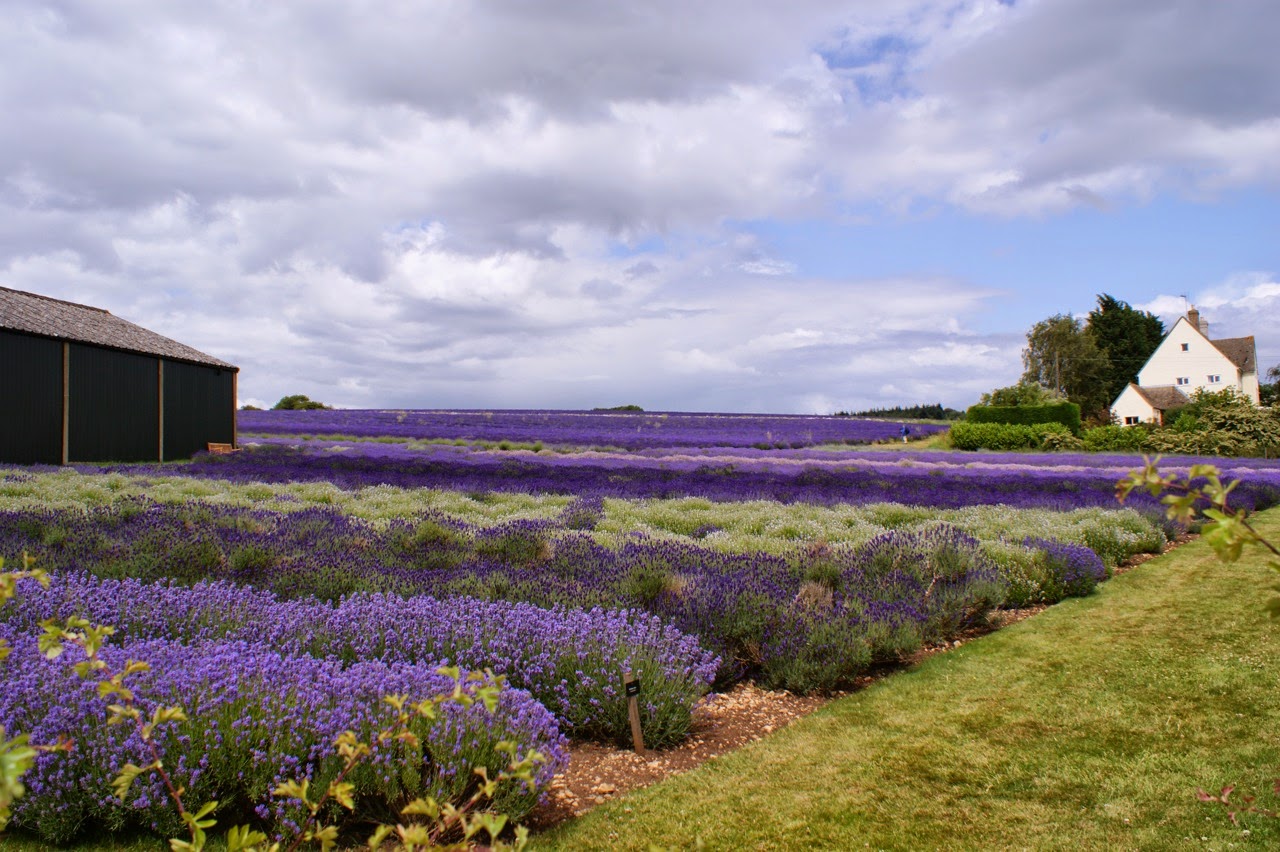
column 804, row 207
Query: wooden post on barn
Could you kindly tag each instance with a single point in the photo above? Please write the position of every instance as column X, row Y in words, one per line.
column 631, row 686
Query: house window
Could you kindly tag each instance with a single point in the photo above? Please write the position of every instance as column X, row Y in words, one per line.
column 1131, row 421
column 1186, row 346
column 1183, row 380
column 1213, row 380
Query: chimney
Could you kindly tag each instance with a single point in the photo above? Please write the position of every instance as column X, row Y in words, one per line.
column 1201, row 325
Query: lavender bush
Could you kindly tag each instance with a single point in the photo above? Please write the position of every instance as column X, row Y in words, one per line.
column 258, row 717
column 1071, row 570
column 571, row 660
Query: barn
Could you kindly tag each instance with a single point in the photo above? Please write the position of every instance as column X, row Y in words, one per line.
column 78, row 384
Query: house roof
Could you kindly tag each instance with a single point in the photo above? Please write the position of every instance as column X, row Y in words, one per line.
column 32, row 313
column 1241, row 351
column 1162, row 398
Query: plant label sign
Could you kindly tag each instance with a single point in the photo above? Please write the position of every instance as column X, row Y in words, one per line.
column 631, row 686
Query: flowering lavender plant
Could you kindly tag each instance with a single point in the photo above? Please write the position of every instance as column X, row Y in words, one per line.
column 257, row 719
column 570, row 659
column 1072, row 570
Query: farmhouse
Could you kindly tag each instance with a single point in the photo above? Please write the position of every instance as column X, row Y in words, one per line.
column 79, row 384
column 1185, row 361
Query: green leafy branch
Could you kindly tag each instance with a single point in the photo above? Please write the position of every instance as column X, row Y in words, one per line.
column 17, row 755
column 428, row 823
column 1228, row 531
column 91, row 638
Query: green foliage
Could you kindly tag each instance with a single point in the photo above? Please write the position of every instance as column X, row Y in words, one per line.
column 298, row 402
column 906, row 412
column 1060, row 442
column 1066, row 413
column 1116, row 439
column 1062, row 355
column 631, row 407
column 1023, row 393
column 1008, row 436
column 1269, row 391
column 17, row 755
column 1203, row 494
column 1221, row 423
column 1126, row 338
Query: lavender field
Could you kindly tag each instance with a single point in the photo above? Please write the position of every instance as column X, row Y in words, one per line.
column 343, row 553
column 623, row 429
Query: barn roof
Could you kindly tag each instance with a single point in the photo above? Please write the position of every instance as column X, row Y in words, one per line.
column 32, row 313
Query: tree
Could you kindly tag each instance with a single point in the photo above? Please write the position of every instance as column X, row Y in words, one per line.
column 1062, row 356
column 297, row 402
column 1269, row 392
column 1125, row 337
column 1024, row 393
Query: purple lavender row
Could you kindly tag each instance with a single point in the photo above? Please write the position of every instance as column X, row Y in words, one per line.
column 740, row 606
column 857, row 482
column 257, row 718
column 571, row 660
column 632, row 430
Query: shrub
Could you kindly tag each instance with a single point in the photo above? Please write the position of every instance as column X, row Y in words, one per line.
column 1005, row 436
column 1060, row 440
column 297, row 402
column 1072, row 570
column 1116, row 439
column 1066, row 413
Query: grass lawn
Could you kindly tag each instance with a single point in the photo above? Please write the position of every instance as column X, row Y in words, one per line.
column 1089, row 726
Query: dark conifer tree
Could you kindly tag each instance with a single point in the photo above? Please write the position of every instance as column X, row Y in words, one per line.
column 1126, row 337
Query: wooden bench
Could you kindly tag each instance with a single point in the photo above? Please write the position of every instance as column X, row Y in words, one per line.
column 222, row 449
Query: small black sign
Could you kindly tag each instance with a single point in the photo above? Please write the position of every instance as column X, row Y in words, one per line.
column 633, row 687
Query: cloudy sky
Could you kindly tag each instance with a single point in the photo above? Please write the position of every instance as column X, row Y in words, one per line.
column 799, row 206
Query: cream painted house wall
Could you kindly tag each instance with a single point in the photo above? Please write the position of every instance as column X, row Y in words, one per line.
column 1185, row 359
column 1130, row 404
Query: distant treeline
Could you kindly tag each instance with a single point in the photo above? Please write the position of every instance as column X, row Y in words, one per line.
column 907, row 412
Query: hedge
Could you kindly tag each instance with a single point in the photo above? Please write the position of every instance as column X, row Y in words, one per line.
column 1066, row 413
column 1002, row 436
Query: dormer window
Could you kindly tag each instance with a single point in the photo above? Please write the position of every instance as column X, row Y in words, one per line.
column 1186, row 346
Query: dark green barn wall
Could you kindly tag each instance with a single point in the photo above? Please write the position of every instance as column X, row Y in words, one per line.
column 199, row 407
column 114, row 406
column 30, row 399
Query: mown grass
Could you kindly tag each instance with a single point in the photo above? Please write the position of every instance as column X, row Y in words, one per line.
column 1089, row 726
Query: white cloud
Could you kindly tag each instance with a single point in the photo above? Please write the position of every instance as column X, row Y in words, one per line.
column 486, row 204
